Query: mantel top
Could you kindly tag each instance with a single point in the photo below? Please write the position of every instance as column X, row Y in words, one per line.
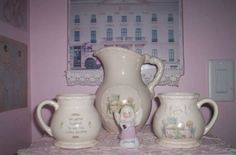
column 109, row 143
column 124, row 1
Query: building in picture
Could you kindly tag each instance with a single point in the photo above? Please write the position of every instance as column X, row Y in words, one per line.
column 145, row 26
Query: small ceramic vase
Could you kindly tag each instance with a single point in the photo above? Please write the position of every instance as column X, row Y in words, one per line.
column 75, row 123
column 178, row 122
column 126, row 120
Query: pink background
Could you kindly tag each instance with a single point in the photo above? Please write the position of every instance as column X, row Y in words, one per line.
column 209, row 33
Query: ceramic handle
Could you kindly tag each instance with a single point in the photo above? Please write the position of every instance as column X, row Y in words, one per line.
column 40, row 120
column 158, row 63
column 215, row 112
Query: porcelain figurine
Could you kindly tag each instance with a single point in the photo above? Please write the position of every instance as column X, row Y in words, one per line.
column 75, row 122
column 178, row 122
column 126, row 120
column 123, row 81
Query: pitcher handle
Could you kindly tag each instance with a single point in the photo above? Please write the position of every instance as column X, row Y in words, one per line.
column 40, row 120
column 215, row 112
column 160, row 66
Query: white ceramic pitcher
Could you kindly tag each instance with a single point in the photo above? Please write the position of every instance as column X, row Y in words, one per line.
column 75, row 123
column 123, row 85
column 178, row 121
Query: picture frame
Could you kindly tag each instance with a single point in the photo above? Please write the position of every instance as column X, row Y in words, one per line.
column 151, row 27
column 14, row 13
column 13, row 74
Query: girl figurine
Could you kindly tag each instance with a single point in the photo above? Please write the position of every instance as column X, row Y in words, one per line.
column 126, row 120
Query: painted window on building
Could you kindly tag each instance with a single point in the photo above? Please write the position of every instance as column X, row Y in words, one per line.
column 154, row 17
column 154, row 36
column 93, row 37
column 124, row 19
column 138, row 19
column 93, row 18
column 171, row 35
column 154, row 53
column 138, row 34
column 123, row 32
column 171, row 55
column 76, row 35
column 77, row 56
column 109, row 19
column 170, row 17
column 109, row 34
column 77, row 19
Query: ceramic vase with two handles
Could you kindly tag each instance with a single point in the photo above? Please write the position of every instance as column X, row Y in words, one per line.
column 75, row 121
column 179, row 123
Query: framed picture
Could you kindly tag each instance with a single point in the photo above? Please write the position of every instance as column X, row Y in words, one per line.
column 13, row 74
column 152, row 27
column 14, row 13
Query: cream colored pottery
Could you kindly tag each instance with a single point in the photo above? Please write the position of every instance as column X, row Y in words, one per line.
column 178, row 122
column 123, row 85
column 75, row 122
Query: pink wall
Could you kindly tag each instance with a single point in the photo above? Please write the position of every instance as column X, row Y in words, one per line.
column 15, row 129
column 209, row 33
column 15, row 132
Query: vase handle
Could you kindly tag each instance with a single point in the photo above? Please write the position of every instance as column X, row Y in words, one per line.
column 160, row 70
column 215, row 112
column 40, row 120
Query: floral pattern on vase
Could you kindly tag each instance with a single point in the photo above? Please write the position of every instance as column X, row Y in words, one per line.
column 117, row 97
column 115, row 103
column 172, row 128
